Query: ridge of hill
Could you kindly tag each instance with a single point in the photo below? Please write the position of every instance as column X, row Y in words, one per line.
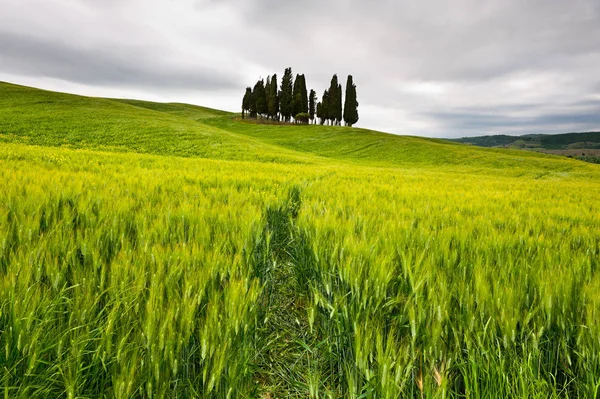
column 561, row 141
column 46, row 118
column 583, row 146
column 189, row 111
column 383, row 149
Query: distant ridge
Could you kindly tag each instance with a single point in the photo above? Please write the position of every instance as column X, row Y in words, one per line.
column 561, row 141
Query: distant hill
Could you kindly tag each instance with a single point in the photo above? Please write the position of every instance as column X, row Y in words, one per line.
column 584, row 146
column 563, row 141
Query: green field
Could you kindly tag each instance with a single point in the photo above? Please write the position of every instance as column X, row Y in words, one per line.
column 172, row 251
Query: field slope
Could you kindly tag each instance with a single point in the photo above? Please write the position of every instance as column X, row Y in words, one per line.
column 167, row 250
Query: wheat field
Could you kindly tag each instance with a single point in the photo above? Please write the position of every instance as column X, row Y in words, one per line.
column 281, row 262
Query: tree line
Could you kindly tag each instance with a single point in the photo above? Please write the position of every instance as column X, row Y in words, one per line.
column 292, row 102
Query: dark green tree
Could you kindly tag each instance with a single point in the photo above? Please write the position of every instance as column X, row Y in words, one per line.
column 286, row 95
column 338, row 105
column 351, row 104
column 325, row 107
column 303, row 95
column 246, row 101
column 334, row 104
column 253, row 112
column 260, row 97
column 296, row 99
column 300, row 96
column 320, row 112
column 267, row 95
column 273, row 99
column 312, row 99
column 268, row 86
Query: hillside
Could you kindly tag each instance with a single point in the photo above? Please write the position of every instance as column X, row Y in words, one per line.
column 374, row 148
column 39, row 117
column 173, row 251
column 34, row 116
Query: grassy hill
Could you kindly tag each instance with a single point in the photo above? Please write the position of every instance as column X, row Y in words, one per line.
column 367, row 147
column 46, row 118
column 38, row 117
column 167, row 250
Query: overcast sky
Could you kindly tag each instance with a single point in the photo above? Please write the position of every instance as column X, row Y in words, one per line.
column 433, row 68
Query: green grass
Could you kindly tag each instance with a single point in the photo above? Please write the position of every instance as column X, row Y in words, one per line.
column 183, row 110
column 45, row 118
column 368, row 147
column 292, row 262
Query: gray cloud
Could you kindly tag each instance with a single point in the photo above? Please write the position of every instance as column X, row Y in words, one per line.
column 510, row 118
column 120, row 66
column 468, row 121
column 431, row 68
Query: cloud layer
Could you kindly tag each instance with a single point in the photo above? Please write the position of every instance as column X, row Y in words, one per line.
column 430, row 68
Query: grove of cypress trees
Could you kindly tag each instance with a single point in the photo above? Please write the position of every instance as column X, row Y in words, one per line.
column 351, row 104
column 292, row 99
column 286, row 95
column 312, row 99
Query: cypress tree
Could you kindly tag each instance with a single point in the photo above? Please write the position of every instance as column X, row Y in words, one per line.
column 320, row 112
column 300, row 96
column 260, row 98
column 303, row 95
column 296, row 96
column 286, row 95
column 338, row 105
column 267, row 91
column 332, row 112
column 266, row 96
column 246, row 101
column 252, row 104
column 273, row 99
column 325, row 105
column 312, row 99
column 351, row 104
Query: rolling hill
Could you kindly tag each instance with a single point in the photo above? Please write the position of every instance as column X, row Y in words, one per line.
column 38, row 117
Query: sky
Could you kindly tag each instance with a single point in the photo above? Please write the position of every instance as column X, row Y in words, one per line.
column 431, row 68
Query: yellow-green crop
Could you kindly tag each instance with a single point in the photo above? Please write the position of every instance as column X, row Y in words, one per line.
column 210, row 258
